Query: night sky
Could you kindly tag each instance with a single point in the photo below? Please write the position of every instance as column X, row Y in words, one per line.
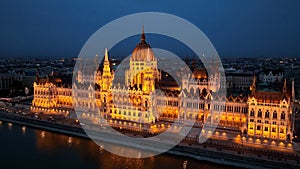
column 254, row 28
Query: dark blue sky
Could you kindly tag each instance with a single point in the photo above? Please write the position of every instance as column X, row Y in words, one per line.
column 253, row 28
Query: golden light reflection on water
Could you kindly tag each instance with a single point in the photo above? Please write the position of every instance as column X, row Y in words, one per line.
column 91, row 153
column 69, row 140
column 119, row 162
column 9, row 124
column 52, row 142
column 43, row 134
column 78, row 151
column 24, row 130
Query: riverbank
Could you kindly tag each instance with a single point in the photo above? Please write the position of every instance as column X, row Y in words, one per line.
column 204, row 152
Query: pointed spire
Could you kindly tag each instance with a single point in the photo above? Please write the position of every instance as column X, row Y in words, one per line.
column 106, row 55
column 284, row 86
column 253, row 86
column 96, row 59
column 143, row 37
column 37, row 77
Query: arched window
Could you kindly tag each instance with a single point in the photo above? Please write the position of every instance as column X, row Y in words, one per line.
column 259, row 113
column 282, row 115
column 267, row 114
column 252, row 113
column 275, row 115
column 198, row 92
column 204, row 92
column 104, row 99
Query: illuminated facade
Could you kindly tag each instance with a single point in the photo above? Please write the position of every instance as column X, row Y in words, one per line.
column 51, row 97
column 258, row 115
column 270, row 116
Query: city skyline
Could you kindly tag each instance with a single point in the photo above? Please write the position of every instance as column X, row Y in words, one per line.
column 238, row 29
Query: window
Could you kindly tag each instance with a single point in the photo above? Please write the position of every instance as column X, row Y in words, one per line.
column 216, row 107
column 146, row 103
column 275, row 115
column 229, row 108
column 282, row 115
column 201, row 106
column 281, row 130
column 267, row 114
column 252, row 113
column 274, row 123
column 222, row 108
column 273, row 129
column 258, row 128
column 175, row 103
column 266, row 122
column 259, row 113
column 266, row 128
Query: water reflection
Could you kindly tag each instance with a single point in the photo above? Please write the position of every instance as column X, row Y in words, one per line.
column 44, row 149
column 70, row 140
column 9, row 126
column 24, row 129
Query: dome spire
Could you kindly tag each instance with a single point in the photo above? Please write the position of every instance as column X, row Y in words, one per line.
column 106, row 55
column 143, row 37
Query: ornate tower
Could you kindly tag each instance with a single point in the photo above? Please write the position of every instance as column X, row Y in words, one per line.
column 143, row 67
column 107, row 75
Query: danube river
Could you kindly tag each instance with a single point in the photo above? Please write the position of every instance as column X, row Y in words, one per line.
column 28, row 148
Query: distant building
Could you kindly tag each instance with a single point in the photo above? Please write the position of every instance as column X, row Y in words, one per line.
column 238, row 79
column 271, row 75
column 7, row 79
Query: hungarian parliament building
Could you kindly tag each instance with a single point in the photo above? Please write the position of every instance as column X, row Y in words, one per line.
column 262, row 113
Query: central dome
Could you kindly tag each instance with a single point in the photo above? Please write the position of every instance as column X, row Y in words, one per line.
column 142, row 51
